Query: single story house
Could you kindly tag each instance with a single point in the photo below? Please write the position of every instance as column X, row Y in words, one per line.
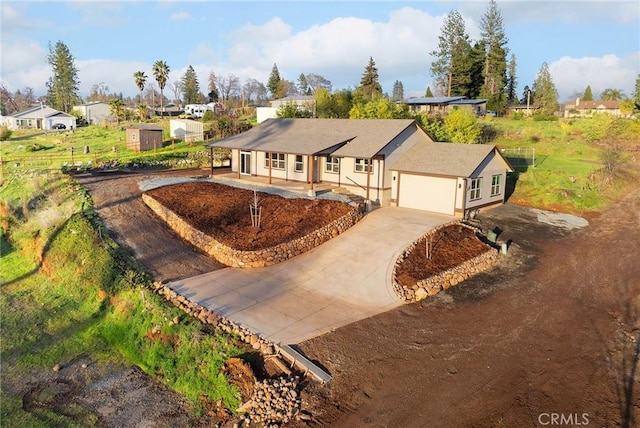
column 144, row 137
column 95, row 112
column 41, row 117
column 373, row 158
column 443, row 105
column 581, row 108
column 304, row 102
column 186, row 130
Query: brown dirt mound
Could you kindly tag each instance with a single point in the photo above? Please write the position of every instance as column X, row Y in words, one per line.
column 451, row 246
column 223, row 212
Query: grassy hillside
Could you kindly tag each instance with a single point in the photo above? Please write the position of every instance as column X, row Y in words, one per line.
column 569, row 173
column 68, row 291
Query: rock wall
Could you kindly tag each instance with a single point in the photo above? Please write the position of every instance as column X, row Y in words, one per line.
column 251, row 259
column 442, row 281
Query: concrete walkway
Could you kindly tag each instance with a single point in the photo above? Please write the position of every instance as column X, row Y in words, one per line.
column 342, row 281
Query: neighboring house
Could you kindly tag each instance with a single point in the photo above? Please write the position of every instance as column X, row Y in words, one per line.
column 443, row 105
column 304, row 102
column 580, row 108
column 144, row 137
column 186, row 130
column 41, row 117
column 527, row 110
column 95, row 112
column 372, row 158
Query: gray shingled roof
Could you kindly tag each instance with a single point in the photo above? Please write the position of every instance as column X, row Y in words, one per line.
column 458, row 160
column 351, row 137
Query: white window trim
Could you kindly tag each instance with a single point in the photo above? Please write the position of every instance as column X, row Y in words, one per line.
column 476, row 191
column 332, row 165
column 496, row 184
column 362, row 165
column 277, row 160
column 298, row 166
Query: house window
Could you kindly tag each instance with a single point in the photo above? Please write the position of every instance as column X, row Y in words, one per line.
column 299, row 164
column 495, row 184
column 277, row 160
column 333, row 165
column 476, row 184
column 362, row 165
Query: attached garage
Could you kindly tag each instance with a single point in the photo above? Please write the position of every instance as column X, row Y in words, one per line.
column 435, row 194
column 448, row 178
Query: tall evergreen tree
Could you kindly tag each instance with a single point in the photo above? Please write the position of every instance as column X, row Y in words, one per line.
column 545, row 92
column 475, row 66
column 588, row 95
column 636, row 94
column 62, row 87
column 512, row 82
column 273, row 84
column 189, row 86
column 450, row 68
column 161, row 73
column 213, row 94
column 495, row 69
column 428, row 93
column 398, row 92
column 369, row 84
column 141, row 80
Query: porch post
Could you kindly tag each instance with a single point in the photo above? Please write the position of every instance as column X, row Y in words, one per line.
column 270, row 161
column 369, row 168
column 238, row 168
column 310, row 170
column 211, row 152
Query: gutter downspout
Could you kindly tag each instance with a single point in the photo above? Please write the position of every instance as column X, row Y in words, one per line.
column 238, row 169
column 464, row 197
column 270, row 161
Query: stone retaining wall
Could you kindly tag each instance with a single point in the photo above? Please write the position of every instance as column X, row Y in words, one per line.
column 250, row 259
column 433, row 285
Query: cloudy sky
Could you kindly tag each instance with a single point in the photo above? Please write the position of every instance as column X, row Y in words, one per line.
column 584, row 43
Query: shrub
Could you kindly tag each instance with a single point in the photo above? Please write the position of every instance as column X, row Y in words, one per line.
column 517, row 115
column 5, row 133
column 544, row 117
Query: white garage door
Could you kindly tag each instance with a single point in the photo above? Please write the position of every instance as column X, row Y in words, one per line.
column 435, row 194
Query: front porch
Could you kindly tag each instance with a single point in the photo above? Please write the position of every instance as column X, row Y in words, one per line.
column 289, row 188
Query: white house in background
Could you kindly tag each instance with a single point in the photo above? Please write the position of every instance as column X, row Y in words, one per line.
column 391, row 162
column 581, row 108
column 186, row 130
column 304, row 102
column 41, row 117
column 95, row 112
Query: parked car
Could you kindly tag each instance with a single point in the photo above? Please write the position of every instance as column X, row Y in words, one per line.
column 59, row 126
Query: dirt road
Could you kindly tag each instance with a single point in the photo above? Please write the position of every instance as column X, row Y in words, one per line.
column 117, row 200
column 548, row 331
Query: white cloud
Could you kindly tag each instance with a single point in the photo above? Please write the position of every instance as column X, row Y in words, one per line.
column 340, row 49
column 571, row 75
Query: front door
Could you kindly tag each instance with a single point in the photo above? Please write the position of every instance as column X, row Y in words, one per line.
column 245, row 163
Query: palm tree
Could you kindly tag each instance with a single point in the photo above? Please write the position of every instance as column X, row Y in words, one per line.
column 161, row 73
column 117, row 108
column 141, row 80
column 611, row 94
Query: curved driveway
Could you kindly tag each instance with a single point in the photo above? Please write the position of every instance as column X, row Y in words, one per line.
column 342, row 281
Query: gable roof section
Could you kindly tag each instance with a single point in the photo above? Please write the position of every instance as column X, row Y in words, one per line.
column 432, row 100
column 40, row 112
column 597, row 104
column 339, row 137
column 448, row 159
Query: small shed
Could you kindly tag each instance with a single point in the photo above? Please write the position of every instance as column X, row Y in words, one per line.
column 186, row 130
column 144, row 137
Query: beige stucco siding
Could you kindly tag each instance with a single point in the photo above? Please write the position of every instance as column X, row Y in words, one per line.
column 491, row 166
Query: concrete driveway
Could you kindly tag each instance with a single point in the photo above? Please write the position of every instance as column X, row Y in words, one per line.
column 342, row 281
